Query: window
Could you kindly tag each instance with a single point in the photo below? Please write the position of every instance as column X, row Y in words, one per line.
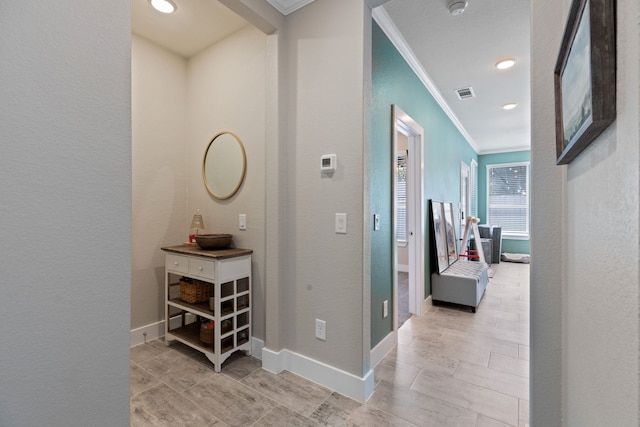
column 473, row 186
column 508, row 198
column 401, row 199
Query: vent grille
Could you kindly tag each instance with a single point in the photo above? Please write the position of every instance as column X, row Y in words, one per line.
column 465, row 93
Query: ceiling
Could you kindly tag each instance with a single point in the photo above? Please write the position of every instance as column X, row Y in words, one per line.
column 447, row 52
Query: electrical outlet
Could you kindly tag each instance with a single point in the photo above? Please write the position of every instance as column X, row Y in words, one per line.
column 385, row 308
column 242, row 222
column 321, row 329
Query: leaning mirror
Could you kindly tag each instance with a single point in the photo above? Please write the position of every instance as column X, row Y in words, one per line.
column 224, row 165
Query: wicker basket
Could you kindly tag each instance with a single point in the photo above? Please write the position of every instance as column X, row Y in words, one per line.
column 194, row 291
column 206, row 334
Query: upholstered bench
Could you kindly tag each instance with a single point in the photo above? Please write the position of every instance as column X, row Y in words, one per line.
column 463, row 282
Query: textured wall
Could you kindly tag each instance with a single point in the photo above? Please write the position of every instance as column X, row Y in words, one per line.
column 226, row 92
column 602, row 252
column 444, row 148
column 324, row 275
column 584, row 275
column 65, row 213
column 547, row 211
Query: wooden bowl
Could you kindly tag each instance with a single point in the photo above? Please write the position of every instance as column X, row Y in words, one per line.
column 213, row 241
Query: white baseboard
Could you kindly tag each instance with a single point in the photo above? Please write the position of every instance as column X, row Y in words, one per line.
column 153, row 331
column 156, row 330
column 347, row 384
column 256, row 347
column 403, row 268
column 383, row 348
column 426, row 305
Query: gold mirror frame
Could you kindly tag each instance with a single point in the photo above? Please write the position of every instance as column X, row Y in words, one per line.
column 224, row 165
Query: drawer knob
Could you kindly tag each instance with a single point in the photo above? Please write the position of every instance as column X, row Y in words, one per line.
column 175, row 262
column 200, row 268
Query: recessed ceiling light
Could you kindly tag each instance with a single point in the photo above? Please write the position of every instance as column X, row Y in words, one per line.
column 505, row 63
column 164, row 6
column 456, row 7
column 509, row 106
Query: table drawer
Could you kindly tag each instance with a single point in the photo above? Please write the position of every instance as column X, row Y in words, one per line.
column 177, row 263
column 202, row 268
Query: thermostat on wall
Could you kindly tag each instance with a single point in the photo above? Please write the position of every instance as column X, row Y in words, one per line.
column 328, row 163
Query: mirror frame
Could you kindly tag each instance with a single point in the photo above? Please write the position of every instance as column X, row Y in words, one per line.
column 242, row 175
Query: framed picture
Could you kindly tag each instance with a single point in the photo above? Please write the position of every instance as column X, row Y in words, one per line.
column 452, row 244
column 585, row 77
column 440, row 236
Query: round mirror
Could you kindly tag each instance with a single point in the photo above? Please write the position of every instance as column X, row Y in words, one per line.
column 224, row 165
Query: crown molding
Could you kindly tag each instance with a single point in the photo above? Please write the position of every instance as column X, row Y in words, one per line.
column 383, row 19
column 505, row 150
column 288, row 6
column 375, row 3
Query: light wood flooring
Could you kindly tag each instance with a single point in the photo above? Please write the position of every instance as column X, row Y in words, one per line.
column 450, row 368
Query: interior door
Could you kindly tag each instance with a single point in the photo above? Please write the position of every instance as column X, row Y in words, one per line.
column 405, row 127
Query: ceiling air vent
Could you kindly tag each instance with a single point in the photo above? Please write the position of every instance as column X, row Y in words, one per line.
column 465, row 93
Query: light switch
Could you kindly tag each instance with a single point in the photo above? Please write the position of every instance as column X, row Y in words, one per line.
column 341, row 223
column 376, row 222
column 242, row 221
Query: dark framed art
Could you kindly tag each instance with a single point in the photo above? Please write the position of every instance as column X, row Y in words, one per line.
column 440, row 236
column 450, row 232
column 585, row 77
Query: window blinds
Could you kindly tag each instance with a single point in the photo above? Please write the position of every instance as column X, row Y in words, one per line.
column 473, row 209
column 508, row 198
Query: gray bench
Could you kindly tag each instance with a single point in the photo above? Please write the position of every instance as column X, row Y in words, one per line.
column 463, row 282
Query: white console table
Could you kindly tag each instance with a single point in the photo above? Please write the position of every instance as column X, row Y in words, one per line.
column 228, row 273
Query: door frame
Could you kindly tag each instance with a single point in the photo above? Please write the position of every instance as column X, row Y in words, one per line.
column 464, row 207
column 416, row 220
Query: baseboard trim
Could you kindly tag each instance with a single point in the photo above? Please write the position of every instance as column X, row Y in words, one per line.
column 153, row 332
column 256, row 347
column 426, row 304
column 156, row 330
column 357, row 388
column 383, row 348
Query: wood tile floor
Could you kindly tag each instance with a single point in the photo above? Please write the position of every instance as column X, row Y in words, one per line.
column 450, row 368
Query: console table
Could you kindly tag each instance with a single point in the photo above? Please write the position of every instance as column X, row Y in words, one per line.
column 223, row 274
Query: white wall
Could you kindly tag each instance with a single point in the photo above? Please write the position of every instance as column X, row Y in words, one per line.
column 585, row 331
column 226, row 92
column 65, row 213
column 159, row 172
column 178, row 106
column 602, row 290
column 324, row 277
column 547, row 225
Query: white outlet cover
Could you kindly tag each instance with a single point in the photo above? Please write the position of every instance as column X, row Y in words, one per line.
column 341, row 223
column 321, row 329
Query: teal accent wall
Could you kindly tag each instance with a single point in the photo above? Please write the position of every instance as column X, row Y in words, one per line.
column 393, row 82
column 508, row 245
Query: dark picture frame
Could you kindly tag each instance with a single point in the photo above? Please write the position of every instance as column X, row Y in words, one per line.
column 440, row 235
column 585, row 77
column 452, row 242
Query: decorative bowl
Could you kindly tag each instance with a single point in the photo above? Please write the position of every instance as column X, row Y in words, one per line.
column 213, row 241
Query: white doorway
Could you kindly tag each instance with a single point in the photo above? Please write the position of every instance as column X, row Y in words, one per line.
column 408, row 211
column 465, row 194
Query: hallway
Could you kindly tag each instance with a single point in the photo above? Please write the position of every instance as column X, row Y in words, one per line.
column 450, row 368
